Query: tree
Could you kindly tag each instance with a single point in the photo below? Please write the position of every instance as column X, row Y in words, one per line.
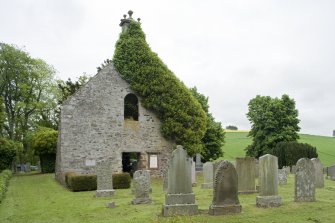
column 183, row 119
column 44, row 144
column 25, row 84
column 2, row 115
column 7, row 153
column 213, row 139
column 69, row 87
column 231, row 127
column 273, row 120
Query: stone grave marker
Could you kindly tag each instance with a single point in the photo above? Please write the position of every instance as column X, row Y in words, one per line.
column 180, row 199
column 293, row 169
column 282, row 176
column 256, row 168
column 225, row 193
column 331, row 172
column 304, row 181
column 207, row 170
column 194, row 180
column 245, row 168
column 165, row 179
column 268, row 180
column 104, row 172
column 141, row 187
column 198, row 163
column 318, row 168
column 287, row 170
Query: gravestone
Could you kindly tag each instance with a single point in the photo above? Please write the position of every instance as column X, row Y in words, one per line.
column 104, row 172
column 165, row 179
column 207, row 170
column 282, row 176
column 245, row 168
column 194, row 181
column 318, row 168
column 198, row 163
column 256, row 168
column 141, row 187
column 268, row 180
column 180, row 199
column 225, row 193
column 304, row 181
column 293, row 169
column 287, row 169
column 331, row 172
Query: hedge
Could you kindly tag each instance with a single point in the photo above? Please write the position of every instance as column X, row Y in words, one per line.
column 289, row 153
column 87, row 182
column 4, row 180
column 121, row 181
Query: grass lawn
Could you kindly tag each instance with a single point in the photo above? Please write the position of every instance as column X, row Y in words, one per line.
column 39, row 198
column 237, row 141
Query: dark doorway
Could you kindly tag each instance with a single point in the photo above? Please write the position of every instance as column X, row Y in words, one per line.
column 130, row 162
column 131, row 107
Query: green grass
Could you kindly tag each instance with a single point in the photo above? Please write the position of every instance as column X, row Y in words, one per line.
column 236, row 142
column 39, row 198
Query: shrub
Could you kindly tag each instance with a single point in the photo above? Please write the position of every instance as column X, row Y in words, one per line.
column 7, row 153
column 81, row 182
column 4, row 179
column 121, row 181
column 44, row 143
column 289, row 153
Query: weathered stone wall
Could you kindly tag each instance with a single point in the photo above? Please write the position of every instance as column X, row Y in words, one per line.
column 92, row 128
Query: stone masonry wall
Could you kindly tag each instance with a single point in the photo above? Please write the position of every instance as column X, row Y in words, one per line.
column 92, row 128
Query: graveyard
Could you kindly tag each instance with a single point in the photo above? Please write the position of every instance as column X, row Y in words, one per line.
column 34, row 197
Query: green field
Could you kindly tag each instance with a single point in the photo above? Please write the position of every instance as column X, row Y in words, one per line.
column 236, row 142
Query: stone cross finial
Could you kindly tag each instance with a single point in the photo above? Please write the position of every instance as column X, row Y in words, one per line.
column 126, row 21
column 130, row 13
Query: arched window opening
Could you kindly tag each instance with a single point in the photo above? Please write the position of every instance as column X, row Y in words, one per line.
column 131, row 107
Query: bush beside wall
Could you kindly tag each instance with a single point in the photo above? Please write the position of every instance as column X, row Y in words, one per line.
column 121, row 181
column 4, row 180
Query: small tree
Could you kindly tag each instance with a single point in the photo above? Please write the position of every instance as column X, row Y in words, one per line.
column 231, row 127
column 213, row 139
column 44, row 143
column 272, row 120
column 7, row 153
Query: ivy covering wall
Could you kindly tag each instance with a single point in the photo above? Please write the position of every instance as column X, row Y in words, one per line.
column 183, row 119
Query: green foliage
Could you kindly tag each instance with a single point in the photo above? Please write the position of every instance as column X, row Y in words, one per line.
column 104, row 64
column 2, row 115
column 4, row 179
column 183, row 119
column 231, row 127
column 289, row 153
column 81, row 182
column 7, row 153
column 121, row 180
column 70, row 87
column 44, row 141
column 48, row 162
column 272, row 120
column 213, row 139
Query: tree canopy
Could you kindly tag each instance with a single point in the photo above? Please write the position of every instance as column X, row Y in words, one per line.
column 183, row 119
column 273, row 120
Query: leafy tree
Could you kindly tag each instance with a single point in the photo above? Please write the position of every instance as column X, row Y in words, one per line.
column 7, row 153
column 289, row 153
column 213, row 139
column 273, row 120
column 24, row 85
column 231, row 127
column 44, row 144
column 183, row 119
column 2, row 115
column 69, row 87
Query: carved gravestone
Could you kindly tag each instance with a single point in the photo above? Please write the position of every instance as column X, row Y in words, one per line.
column 180, row 199
column 282, row 176
column 198, row 163
column 331, row 172
column 194, row 181
column 215, row 166
column 141, row 187
column 207, row 170
column 287, row 169
column 245, row 168
column 304, row 181
column 104, row 172
column 293, row 169
column 165, row 178
column 318, row 168
column 225, row 193
column 256, row 168
column 268, row 180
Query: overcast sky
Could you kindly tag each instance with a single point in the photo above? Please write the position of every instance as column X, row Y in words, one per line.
column 230, row 50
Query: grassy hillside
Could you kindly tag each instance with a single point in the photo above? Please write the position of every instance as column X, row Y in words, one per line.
column 237, row 141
